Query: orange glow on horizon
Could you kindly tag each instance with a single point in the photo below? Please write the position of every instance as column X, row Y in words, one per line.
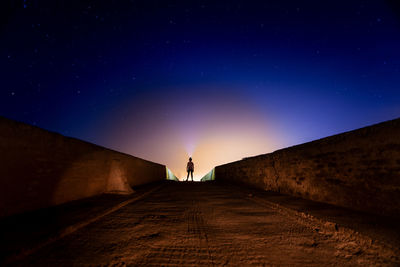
column 213, row 130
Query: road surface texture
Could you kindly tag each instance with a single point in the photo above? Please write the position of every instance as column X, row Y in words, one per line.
column 215, row 224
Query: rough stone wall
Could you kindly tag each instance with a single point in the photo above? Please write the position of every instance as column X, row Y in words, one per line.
column 359, row 169
column 40, row 169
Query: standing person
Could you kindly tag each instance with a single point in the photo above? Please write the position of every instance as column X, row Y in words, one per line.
column 190, row 169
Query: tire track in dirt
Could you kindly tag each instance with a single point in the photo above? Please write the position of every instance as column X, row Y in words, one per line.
column 197, row 229
column 75, row 227
column 200, row 224
column 349, row 242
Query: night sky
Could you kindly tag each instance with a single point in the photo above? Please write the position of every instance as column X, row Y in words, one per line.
column 216, row 80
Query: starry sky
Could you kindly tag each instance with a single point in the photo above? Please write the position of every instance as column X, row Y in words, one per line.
column 215, row 80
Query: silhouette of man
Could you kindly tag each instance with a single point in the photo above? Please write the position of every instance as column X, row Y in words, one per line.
column 190, row 169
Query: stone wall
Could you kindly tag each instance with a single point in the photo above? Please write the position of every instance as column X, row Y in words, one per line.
column 40, row 169
column 359, row 169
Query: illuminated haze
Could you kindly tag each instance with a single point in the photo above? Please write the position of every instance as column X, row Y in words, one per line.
column 211, row 127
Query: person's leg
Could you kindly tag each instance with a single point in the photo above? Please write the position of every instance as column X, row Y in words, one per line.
column 191, row 173
column 187, row 178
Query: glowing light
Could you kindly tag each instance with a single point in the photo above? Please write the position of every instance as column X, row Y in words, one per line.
column 209, row 176
column 170, row 175
column 214, row 129
column 190, row 148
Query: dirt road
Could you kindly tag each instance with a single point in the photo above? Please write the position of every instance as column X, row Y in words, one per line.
column 206, row 224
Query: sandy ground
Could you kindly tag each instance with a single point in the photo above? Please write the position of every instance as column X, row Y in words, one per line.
column 195, row 224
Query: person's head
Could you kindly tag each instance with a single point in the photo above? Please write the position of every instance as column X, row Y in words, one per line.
column 190, row 159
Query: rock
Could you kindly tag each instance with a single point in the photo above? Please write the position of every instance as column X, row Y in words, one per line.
column 331, row 226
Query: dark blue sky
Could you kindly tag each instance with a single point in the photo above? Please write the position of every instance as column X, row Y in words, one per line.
column 304, row 69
